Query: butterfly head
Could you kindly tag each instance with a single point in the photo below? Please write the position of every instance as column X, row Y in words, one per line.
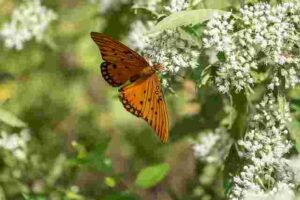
column 158, row 67
column 155, row 66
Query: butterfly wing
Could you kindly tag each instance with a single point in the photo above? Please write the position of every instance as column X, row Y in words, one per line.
column 121, row 63
column 144, row 98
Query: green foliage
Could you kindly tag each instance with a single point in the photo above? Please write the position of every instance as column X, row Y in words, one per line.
column 121, row 196
column 150, row 176
column 95, row 159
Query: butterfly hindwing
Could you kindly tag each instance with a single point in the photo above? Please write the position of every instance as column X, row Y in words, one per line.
column 144, row 98
column 121, row 63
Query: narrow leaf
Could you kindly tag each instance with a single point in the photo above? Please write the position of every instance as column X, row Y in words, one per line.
column 184, row 18
column 294, row 129
column 10, row 119
column 233, row 165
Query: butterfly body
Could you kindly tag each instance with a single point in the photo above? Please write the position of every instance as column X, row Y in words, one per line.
column 142, row 95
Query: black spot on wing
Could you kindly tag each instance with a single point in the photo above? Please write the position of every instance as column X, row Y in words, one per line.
column 127, row 104
column 107, row 76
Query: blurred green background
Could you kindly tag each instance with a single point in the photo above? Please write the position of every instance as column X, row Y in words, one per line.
column 83, row 144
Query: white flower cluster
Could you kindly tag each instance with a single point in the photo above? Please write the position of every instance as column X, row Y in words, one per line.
column 168, row 48
column 235, row 71
column 15, row 143
column 108, row 5
column 171, row 50
column 266, row 35
column 29, row 21
column 263, row 148
column 279, row 192
column 177, row 5
column 212, row 147
column 137, row 38
column 294, row 164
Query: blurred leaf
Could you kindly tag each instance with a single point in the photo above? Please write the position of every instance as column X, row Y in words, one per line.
column 221, row 56
column 240, row 104
column 205, row 76
column 294, row 93
column 102, row 146
column 110, row 182
column 2, row 194
column 27, row 197
column 150, row 176
column 71, row 195
column 10, row 119
column 233, row 164
column 260, row 77
column 145, row 11
column 81, row 151
column 95, row 159
column 57, row 170
column 194, row 30
column 180, row 19
column 7, row 90
column 294, row 129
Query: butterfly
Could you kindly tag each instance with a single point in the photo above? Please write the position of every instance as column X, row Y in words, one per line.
column 142, row 96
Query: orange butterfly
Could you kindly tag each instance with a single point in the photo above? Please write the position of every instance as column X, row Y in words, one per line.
column 143, row 96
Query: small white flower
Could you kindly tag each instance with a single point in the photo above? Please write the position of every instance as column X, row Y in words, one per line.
column 270, row 30
column 15, row 143
column 151, row 5
column 29, row 21
column 177, row 5
column 107, row 5
column 264, row 147
column 136, row 38
column 171, row 50
column 212, row 146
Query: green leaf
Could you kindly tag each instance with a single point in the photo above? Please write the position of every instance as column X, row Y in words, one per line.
column 185, row 18
column 294, row 129
column 150, row 176
column 110, row 181
column 95, row 159
column 10, row 119
column 233, row 164
column 27, row 197
column 2, row 194
column 260, row 77
column 102, row 145
column 221, row 56
column 240, row 104
column 121, row 196
column 195, row 30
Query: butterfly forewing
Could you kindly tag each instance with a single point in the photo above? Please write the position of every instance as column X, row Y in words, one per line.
column 121, row 63
column 144, row 98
